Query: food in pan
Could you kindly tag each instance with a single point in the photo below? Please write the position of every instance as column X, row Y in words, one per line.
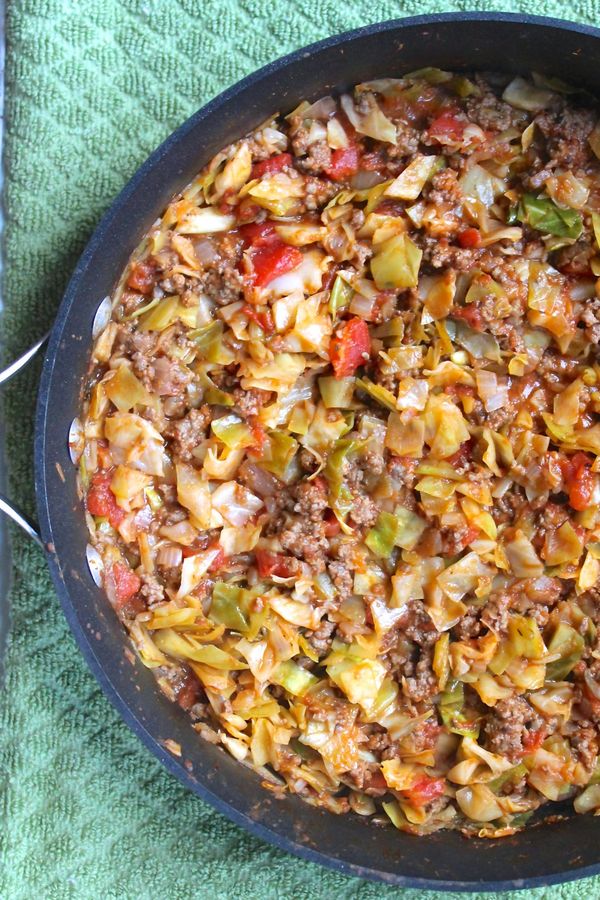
column 339, row 450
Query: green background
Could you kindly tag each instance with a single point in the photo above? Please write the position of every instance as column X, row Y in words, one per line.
column 92, row 87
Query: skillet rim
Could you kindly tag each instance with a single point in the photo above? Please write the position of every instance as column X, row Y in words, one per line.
column 43, row 423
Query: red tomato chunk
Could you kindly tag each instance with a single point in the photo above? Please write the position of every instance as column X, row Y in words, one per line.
column 344, row 164
column 102, row 502
column 273, row 260
column 349, row 347
column 272, row 165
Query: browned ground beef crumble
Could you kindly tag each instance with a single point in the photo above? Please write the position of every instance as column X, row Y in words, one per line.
column 339, row 450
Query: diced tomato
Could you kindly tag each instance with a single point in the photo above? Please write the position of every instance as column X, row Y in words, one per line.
column 470, row 314
column 470, row 237
column 463, row 453
column 373, row 162
column 272, row 260
column 429, row 733
column 141, row 278
column 271, row 165
column 259, row 436
column 189, row 551
column 375, row 783
column 389, row 207
column 470, row 534
column 262, row 317
column 533, row 740
column 416, row 104
column 349, row 346
column 258, row 234
column 447, row 129
column 126, row 583
column 219, row 559
column 247, row 211
column 344, row 163
column 189, row 692
column 579, row 480
column 424, row 790
column 102, row 502
column 331, row 526
column 275, row 564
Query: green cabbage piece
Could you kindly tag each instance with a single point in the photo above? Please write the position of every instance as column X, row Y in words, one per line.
column 396, row 263
column 293, row 678
column 378, row 393
column 340, row 497
column 209, row 340
column 340, row 296
column 282, row 450
column 337, row 393
column 545, row 215
column 480, row 344
column 212, row 394
column 233, row 432
column 570, row 644
column 381, row 539
column 452, row 711
column 232, row 606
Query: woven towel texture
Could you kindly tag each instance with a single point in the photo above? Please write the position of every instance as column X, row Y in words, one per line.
column 92, row 87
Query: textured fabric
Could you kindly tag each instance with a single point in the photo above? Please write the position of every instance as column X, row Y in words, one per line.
column 93, row 86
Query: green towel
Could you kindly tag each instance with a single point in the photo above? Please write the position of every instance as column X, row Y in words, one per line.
column 92, row 87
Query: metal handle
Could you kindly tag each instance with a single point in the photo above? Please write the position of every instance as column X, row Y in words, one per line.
column 6, row 507
column 16, row 366
column 21, row 520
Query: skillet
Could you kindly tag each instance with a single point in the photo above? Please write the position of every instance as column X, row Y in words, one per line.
column 565, row 848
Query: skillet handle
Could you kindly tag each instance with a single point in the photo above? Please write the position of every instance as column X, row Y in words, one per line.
column 23, row 521
column 6, row 507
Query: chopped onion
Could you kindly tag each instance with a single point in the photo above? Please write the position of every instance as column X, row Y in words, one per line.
column 235, row 502
column 169, row 556
column 364, row 179
column 363, row 306
column 321, row 109
column 492, row 392
column 206, row 252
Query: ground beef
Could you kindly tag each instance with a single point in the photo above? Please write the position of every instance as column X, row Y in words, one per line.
column 364, row 511
column 424, row 683
column 306, row 540
column 223, row 284
column 308, row 461
column 440, row 254
column 342, row 577
column 508, row 724
column 469, row 627
column 170, row 377
column 187, row 433
column 407, row 142
column 319, row 192
column 591, row 319
column 151, row 590
column 318, row 158
column 174, row 283
column 584, row 742
column 490, row 112
column 311, row 499
column 567, row 134
column 444, row 188
column 495, row 612
column 417, row 625
column 250, row 402
column 321, row 639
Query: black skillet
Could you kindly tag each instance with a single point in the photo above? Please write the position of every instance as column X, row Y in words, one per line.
column 545, row 854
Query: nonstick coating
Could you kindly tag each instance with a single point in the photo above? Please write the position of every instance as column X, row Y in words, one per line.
column 548, row 853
